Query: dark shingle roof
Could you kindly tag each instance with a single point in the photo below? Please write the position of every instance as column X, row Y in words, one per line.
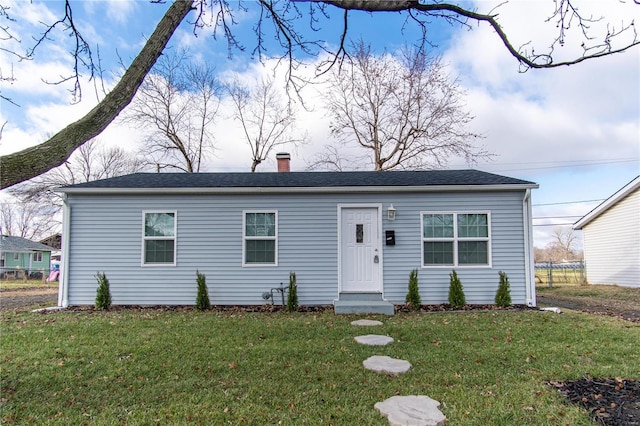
column 20, row 245
column 301, row 180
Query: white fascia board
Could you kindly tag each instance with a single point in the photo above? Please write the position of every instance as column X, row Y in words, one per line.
column 299, row 190
column 608, row 203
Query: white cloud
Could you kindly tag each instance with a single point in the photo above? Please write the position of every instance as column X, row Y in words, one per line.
column 120, row 11
column 584, row 111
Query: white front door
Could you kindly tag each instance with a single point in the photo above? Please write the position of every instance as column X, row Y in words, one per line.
column 359, row 250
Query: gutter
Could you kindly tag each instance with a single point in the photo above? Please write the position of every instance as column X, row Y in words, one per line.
column 297, row 190
column 63, row 287
column 529, row 271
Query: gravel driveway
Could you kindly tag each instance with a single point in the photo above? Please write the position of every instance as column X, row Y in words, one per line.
column 21, row 299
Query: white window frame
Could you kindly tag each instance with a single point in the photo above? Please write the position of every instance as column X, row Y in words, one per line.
column 245, row 238
column 16, row 256
column 36, row 256
column 146, row 238
column 455, row 240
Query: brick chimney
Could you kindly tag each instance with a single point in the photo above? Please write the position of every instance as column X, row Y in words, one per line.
column 283, row 161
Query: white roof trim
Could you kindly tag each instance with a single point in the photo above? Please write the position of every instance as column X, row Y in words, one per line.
column 299, row 190
column 608, row 203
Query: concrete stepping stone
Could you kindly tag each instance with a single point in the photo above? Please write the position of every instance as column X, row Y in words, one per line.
column 412, row 410
column 374, row 340
column 387, row 365
column 366, row 322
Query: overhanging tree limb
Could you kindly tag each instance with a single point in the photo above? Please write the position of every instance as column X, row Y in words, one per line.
column 25, row 164
column 532, row 61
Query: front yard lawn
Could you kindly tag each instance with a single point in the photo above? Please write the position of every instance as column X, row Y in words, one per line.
column 177, row 367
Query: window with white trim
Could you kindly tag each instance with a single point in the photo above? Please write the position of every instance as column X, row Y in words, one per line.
column 159, row 238
column 37, row 256
column 260, row 238
column 456, row 239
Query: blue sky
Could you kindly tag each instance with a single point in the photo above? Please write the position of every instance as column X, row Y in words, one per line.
column 574, row 130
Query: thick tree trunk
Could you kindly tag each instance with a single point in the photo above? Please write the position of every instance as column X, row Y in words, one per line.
column 23, row 165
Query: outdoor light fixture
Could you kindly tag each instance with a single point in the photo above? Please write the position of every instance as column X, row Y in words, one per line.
column 391, row 212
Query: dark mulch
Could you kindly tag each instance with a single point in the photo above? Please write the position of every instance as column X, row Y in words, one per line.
column 304, row 309
column 214, row 308
column 445, row 307
column 612, row 402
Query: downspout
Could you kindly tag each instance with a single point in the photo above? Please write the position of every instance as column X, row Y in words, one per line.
column 63, row 288
column 528, row 249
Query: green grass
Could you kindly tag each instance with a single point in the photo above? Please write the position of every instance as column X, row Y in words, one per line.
column 155, row 367
column 19, row 283
column 612, row 295
column 559, row 277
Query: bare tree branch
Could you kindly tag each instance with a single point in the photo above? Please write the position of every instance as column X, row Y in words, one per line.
column 267, row 120
column 32, row 221
column 88, row 163
column 20, row 166
column 406, row 113
column 565, row 13
column 284, row 16
column 179, row 104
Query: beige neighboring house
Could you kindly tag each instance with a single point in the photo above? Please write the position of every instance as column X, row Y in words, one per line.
column 611, row 234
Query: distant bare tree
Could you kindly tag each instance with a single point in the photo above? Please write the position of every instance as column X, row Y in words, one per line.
column 32, row 221
column 405, row 111
column 562, row 248
column 332, row 159
column 92, row 161
column 178, row 103
column 565, row 240
column 267, row 119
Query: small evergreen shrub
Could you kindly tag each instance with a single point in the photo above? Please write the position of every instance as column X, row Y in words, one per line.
column 103, row 294
column 503, row 295
column 292, row 295
column 413, row 296
column 456, row 292
column 202, row 299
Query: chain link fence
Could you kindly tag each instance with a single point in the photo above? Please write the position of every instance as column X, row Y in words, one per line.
column 565, row 273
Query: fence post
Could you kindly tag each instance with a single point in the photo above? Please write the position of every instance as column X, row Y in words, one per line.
column 550, row 274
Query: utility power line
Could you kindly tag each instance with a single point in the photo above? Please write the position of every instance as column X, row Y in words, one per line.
column 557, row 217
column 568, row 202
column 555, row 224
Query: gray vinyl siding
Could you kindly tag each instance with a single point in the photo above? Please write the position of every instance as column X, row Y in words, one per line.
column 106, row 236
column 611, row 248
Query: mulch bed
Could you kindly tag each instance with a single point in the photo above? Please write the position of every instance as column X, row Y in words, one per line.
column 445, row 307
column 613, row 402
column 214, row 308
column 303, row 309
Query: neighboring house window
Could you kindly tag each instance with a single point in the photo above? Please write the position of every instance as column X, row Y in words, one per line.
column 16, row 256
column 159, row 238
column 260, row 238
column 456, row 239
column 37, row 257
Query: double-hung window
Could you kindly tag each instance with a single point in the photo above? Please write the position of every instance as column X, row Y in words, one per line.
column 456, row 239
column 37, row 256
column 260, row 238
column 159, row 238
